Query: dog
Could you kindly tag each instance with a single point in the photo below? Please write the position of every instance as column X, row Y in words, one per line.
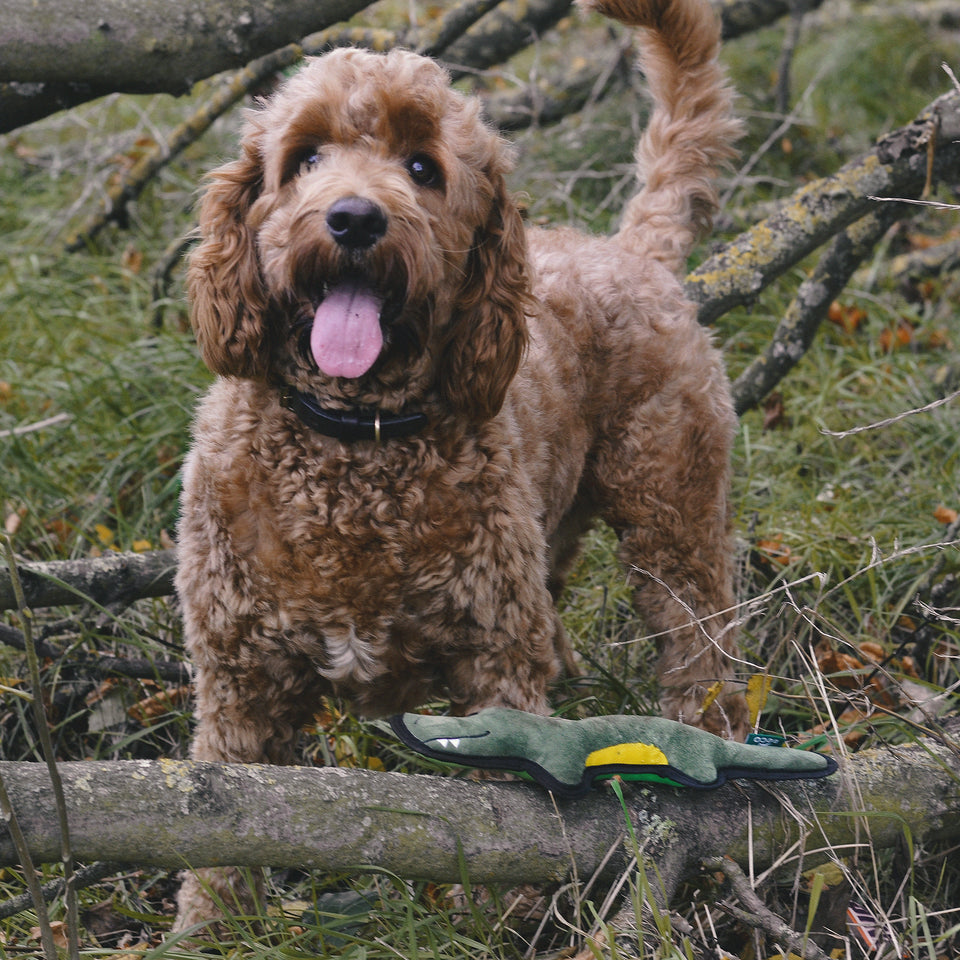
column 423, row 403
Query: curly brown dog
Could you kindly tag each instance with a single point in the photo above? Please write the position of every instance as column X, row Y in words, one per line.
column 423, row 403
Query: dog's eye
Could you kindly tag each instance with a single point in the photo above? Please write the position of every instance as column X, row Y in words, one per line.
column 423, row 171
column 311, row 158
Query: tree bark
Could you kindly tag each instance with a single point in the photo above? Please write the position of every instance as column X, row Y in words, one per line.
column 145, row 45
column 900, row 165
column 112, row 578
column 795, row 332
column 177, row 813
column 61, row 53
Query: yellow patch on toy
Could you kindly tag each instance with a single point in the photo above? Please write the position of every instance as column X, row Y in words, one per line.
column 627, row 754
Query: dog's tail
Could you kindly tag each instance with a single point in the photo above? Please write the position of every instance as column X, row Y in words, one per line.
column 691, row 129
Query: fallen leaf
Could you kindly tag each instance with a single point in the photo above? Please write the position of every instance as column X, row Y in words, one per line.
column 59, row 930
column 146, row 712
column 712, row 693
column 839, row 666
column 104, row 534
column 773, row 412
column 872, row 651
column 758, row 689
column 11, row 523
column 775, row 550
column 847, row 317
column 945, row 515
column 132, row 259
column 891, row 340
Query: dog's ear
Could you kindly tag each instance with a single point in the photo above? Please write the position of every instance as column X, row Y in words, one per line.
column 226, row 290
column 489, row 329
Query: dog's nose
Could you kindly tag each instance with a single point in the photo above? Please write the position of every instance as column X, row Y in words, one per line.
column 356, row 222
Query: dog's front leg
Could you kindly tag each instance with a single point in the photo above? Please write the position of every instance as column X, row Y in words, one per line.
column 246, row 714
column 511, row 662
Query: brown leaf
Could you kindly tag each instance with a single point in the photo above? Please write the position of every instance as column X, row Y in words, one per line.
column 11, row 523
column 834, row 662
column 902, row 336
column 773, row 412
column 775, row 550
column 132, row 259
column 59, row 929
column 872, row 651
column 945, row 515
column 151, row 709
column 847, row 317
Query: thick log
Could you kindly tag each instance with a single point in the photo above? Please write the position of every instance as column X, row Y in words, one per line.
column 178, row 813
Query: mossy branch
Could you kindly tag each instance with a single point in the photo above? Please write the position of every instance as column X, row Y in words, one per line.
column 169, row 48
column 177, row 813
column 806, row 312
column 899, row 166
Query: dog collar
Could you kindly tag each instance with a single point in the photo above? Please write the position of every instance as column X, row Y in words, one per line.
column 350, row 425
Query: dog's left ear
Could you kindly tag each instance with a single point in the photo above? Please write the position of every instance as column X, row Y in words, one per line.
column 489, row 328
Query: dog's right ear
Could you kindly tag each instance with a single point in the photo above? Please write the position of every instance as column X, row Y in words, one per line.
column 228, row 297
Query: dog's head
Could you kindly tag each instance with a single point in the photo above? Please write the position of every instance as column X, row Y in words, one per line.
column 364, row 244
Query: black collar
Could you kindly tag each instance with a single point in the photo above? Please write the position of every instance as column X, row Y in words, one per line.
column 351, row 425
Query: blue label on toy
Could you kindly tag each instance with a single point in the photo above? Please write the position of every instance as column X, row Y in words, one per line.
column 766, row 739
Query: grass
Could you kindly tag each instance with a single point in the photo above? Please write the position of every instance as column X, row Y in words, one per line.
column 841, row 536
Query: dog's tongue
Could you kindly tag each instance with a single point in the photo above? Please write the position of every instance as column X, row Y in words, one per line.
column 346, row 338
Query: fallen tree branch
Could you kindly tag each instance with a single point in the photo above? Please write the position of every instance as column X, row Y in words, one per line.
column 739, row 17
column 897, row 166
column 111, row 578
column 151, row 47
column 50, row 74
column 931, row 262
column 796, row 330
column 434, row 37
column 176, row 813
column 85, row 877
column 95, row 665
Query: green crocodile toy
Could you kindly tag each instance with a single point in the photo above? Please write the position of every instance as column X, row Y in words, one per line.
column 569, row 756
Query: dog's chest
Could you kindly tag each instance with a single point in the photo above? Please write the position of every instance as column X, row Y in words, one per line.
column 363, row 535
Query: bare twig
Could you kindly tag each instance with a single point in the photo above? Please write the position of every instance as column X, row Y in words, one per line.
column 926, row 408
column 792, row 37
column 935, row 204
column 758, row 915
column 39, row 425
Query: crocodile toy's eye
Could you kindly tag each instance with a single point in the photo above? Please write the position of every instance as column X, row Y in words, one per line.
column 423, row 171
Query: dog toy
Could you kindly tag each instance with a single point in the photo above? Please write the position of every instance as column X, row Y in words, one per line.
column 569, row 756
